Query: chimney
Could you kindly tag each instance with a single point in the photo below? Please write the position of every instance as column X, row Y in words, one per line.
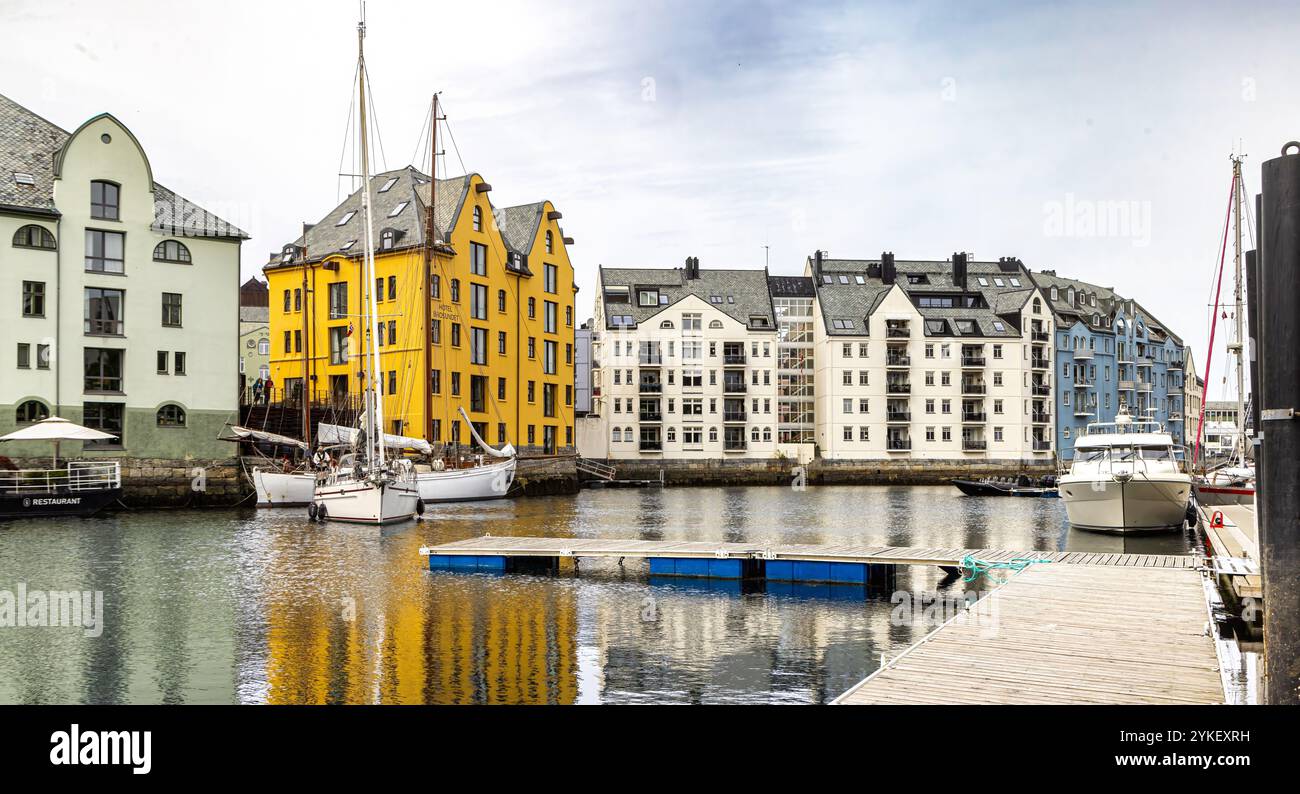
column 692, row 267
column 887, row 270
column 817, row 265
column 959, row 270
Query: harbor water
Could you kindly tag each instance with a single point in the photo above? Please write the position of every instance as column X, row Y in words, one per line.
column 263, row 606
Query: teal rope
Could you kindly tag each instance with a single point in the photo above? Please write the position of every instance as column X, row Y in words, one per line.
column 973, row 567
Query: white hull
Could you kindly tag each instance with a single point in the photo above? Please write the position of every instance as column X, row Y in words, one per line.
column 1139, row 505
column 276, row 489
column 467, row 485
column 364, row 502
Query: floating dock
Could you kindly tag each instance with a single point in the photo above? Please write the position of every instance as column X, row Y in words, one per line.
column 1065, row 634
column 839, row 563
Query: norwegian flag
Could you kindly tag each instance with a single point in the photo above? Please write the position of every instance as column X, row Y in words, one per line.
column 349, row 333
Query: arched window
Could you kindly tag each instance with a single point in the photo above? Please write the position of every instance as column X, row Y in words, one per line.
column 713, row 434
column 33, row 236
column 32, row 411
column 105, row 199
column 550, row 243
column 754, row 434
column 263, row 347
column 172, row 251
column 1038, row 305
column 1056, row 294
column 478, row 219
column 666, row 324
column 767, row 434
column 618, row 434
column 171, row 415
column 714, row 324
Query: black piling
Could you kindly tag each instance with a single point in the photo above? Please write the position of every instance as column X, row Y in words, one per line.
column 1278, row 479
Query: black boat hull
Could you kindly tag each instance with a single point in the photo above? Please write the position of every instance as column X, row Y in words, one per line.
column 71, row 503
column 986, row 488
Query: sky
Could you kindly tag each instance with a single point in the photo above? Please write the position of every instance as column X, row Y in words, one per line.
column 1089, row 138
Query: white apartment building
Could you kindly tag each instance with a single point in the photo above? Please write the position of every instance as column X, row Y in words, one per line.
column 931, row 361
column 121, row 297
column 685, row 364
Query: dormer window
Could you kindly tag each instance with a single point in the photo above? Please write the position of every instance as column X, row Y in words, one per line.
column 1092, row 299
column 647, row 297
column 347, row 216
column 105, row 200
column 26, row 180
column 758, row 321
column 387, row 239
column 1056, row 295
column 965, row 326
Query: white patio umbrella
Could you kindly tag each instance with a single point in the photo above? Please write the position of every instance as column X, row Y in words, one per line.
column 56, row 429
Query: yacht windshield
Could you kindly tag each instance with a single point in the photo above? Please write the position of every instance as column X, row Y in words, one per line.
column 1157, row 453
column 1124, row 454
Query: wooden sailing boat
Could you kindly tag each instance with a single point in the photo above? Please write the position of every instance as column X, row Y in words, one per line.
column 1233, row 483
column 454, row 483
column 367, row 487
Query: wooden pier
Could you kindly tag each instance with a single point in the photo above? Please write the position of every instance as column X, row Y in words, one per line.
column 1065, row 634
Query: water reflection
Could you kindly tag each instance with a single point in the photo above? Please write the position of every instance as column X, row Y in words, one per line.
column 262, row 606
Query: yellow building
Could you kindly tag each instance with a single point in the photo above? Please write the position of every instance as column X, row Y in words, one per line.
column 498, row 311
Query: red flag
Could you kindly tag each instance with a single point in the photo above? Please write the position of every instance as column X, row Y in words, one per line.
column 349, row 333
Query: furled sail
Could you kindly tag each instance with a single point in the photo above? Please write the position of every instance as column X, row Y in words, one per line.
column 507, row 451
column 330, row 435
column 248, row 434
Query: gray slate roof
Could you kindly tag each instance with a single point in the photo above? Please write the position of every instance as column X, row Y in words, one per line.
column 743, row 293
column 1107, row 306
column 29, row 144
column 857, row 302
column 519, row 225
column 254, row 314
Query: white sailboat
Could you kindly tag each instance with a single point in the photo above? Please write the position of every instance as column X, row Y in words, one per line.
column 367, row 487
column 1233, row 483
column 476, row 483
column 1125, row 478
column 276, row 487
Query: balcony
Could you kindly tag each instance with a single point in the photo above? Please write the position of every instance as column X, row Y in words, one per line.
column 1041, row 418
column 892, row 360
column 1084, row 383
column 652, row 446
column 733, row 359
column 734, row 416
column 1040, row 390
column 974, row 445
column 974, row 416
column 1042, row 445
column 651, row 416
column 1040, row 363
column 898, row 445
column 898, row 416
column 897, row 331
column 733, row 386
column 1039, row 336
column 898, row 387
column 973, row 361
column 651, row 387
column 968, row 387
column 734, row 445
column 1082, row 354
column 1126, row 385
column 651, row 360
column 1085, row 410
column 1144, row 385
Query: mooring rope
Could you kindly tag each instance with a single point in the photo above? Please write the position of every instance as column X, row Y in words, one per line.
column 973, row 567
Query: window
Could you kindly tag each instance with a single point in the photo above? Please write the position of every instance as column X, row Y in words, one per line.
column 163, row 360
column 24, row 355
column 532, row 309
column 548, row 362
column 338, row 345
column 478, row 301
column 478, row 219
column 32, row 411
column 455, row 334
column 179, row 363
column 549, row 318
column 435, row 382
column 347, row 216
column 398, row 209
column 550, row 243
column 171, row 309
column 103, row 369
column 171, row 415
column 435, row 286
column 455, row 290
column 104, row 200
column 33, row 298
column 172, row 251
column 33, row 236
column 104, row 251
column 105, row 417
column 568, row 316
column 263, row 347
column 478, row 258
column 549, row 279
column 388, row 185
column 501, row 300
column 392, row 288
column 338, row 300
column 435, row 332
column 478, row 345
column 42, row 356
column 501, row 343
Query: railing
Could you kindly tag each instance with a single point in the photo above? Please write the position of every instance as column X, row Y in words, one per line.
column 595, row 468
column 973, row 445
column 733, row 359
column 78, row 476
column 652, row 446
column 1040, row 363
column 1039, row 336
column 733, row 386
column 1083, row 353
column 279, row 397
column 974, row 416
column 1039, row 390
column 651, row 360
column 898, row 416
column 898, row 361
column 733, row 416
column 972, row 361
column 895, row 332
column 1041, row 418
column 898, row 387
column 647, row 387
column 1126, row 385
column 1042, row 446
column 651, row 416
column 973, row 388
column 734, row 445
column 898, row 444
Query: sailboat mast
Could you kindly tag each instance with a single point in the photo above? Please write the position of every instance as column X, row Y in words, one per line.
column 374, row 408
column 1239, row 445
column 305, row 394
column 430, row 241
